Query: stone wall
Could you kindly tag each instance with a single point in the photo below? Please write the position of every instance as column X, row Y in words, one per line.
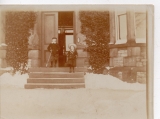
column 129, row 58
column 3, row 62
column 141, row 77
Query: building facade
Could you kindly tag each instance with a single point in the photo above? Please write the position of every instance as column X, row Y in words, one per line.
column 129, row 32
column 128, row 38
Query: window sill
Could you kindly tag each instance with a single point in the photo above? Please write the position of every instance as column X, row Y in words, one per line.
column 122, row 41
column 127, row 45
column 140, row 40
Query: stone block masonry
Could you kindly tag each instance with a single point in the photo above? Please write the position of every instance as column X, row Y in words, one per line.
column 130, row 57
column 129, row 61
column 34, row 58
column 113, row 52
column 3, row 62
column 141, row 77
column 122, row 53
column 118, row 61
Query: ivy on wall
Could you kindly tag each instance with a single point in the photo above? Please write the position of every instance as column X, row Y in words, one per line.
column 17, row 26
column 95, row 26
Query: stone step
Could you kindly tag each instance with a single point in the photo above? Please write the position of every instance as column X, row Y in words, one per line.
column 55, row 80
column 54, row 86
column 56, row 75
column 56, row 69
column 59, row 77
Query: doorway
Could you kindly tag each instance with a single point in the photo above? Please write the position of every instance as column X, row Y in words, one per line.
column 65, row 35
column 59, row 25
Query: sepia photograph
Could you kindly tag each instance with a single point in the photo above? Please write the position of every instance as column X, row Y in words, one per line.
column 76, row 61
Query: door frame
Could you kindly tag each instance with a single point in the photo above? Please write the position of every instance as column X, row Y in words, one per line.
column 42, row 31
column 44, row 48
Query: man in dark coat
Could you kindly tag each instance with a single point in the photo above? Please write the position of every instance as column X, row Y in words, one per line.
column 54, row 49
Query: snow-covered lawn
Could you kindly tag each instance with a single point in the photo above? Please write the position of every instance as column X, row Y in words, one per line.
column 105, row 97
column 17, row 80
column 97, row 81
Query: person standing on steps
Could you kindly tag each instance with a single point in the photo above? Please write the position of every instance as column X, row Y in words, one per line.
column 54, row 49
column 72, row 55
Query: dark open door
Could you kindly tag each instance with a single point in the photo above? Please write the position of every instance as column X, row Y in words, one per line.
column 65, row 26
column 64, row 39
column 49, row 30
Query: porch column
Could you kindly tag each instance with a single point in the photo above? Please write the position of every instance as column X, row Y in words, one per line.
column 112, row 27
column 79, row 38
column 3, row 62
column 75, row 25
column 34, row 47
column 131, row 27
column 2, row 27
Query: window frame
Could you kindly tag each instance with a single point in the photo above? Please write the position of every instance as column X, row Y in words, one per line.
column 117, row 27
column 140, row 40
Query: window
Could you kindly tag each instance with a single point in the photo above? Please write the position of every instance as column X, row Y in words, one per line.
column 140, row 27
column 121, row 27
column 139, row 21
column 69, row 39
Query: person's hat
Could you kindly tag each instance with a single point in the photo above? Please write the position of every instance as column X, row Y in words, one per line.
column 71, row 44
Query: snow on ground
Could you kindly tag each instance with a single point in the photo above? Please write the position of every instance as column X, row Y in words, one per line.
column 92, row 81
column 107, row 81
column 72, row 104
column 104, row 97
column 16, row 80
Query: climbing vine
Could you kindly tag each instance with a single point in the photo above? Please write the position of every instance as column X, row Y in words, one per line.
column 95, row 26
column 17, row 26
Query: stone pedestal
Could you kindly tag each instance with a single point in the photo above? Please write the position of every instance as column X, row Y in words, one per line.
column 34, row 57
column 82, row 56
column 3, row 62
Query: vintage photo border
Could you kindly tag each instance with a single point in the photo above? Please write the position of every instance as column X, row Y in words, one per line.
column 150, row 66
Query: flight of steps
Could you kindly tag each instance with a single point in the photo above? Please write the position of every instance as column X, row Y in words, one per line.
column 58, row 78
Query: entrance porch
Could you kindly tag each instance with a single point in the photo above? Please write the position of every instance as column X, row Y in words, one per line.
column 63, row 25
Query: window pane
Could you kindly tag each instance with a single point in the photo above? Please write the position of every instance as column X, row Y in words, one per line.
column 69, row 39
column 140, row 19
column 122, row 26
